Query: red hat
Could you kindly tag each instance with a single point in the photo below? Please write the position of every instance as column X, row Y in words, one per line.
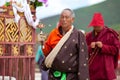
column 97, row 20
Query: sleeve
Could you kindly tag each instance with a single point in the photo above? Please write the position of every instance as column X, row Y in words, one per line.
column 108, row 49
column 88, row 43
column 51, row 41
column 112, row 47
column 46, row 47
column 83, row 72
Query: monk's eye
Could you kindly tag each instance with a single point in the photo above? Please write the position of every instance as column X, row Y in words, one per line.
column 65, row 17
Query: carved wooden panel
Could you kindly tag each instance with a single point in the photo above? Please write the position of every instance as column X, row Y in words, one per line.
column 2, row 50
column 2, row 30
column 11, row 30
column 25, row 31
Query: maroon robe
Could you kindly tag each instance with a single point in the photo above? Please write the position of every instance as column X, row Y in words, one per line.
column 105, row 62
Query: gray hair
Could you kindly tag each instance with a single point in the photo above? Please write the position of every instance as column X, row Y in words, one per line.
column 72, row 12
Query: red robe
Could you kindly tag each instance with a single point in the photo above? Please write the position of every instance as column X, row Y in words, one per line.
column 105, row 62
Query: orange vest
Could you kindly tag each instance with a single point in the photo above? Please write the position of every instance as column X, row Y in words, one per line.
column 53, row 38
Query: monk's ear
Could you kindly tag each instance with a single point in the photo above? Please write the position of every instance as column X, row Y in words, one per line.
column 73, row 20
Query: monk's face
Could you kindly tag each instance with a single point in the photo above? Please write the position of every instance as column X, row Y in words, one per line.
column 98, row 28
column 66, row 19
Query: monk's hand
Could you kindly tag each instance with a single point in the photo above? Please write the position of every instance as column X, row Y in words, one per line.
column 99, row 44
column 93, row 45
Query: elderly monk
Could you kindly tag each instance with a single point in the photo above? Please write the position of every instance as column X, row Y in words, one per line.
column 66, row 51
column 103, row 50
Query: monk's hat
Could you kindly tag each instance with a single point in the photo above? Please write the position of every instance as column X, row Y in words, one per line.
column 97, row 20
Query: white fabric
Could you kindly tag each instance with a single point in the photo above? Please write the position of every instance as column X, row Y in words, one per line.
column 27, row 13
column 50, row 58
column 7, row 78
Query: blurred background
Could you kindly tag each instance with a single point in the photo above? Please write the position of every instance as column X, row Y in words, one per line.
column 84, row 10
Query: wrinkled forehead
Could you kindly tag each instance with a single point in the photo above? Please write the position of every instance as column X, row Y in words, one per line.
column 66, row 13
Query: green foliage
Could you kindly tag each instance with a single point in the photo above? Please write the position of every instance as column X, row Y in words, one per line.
column 36, row 4
column 7, row 4
column 115, row 27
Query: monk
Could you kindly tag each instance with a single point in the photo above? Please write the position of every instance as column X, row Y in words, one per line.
column 66, row 51
column 103, row 46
